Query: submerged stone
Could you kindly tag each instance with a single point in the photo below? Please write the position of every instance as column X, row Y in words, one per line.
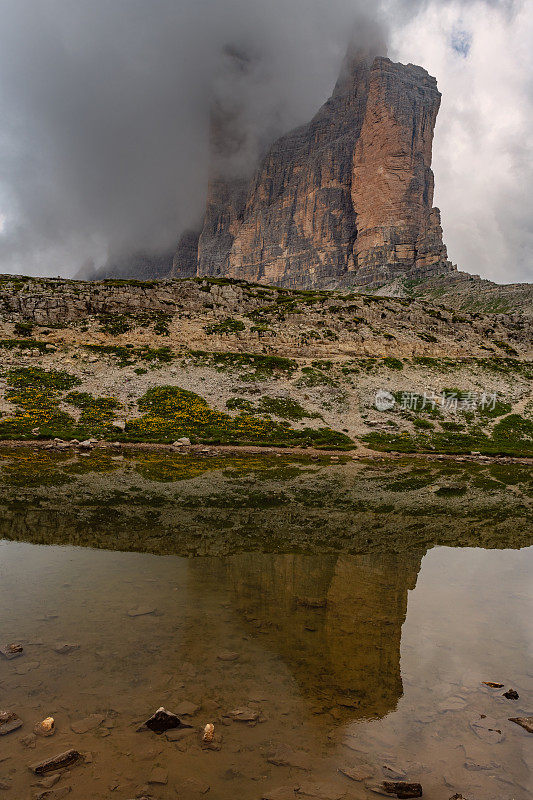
column 525, row 722
column 227, row 655
column 87, row 724
column 57, row 762
column 402, row 789
column 141, row 611
column 9, row 722
column 244, row 714
column 10, row 651
column 487, row 729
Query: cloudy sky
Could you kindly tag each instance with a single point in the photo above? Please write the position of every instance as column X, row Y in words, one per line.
column 104, row 108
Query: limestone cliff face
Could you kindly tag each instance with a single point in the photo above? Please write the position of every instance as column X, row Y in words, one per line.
column 297, row 226
column 398, row 231
column 344, row 200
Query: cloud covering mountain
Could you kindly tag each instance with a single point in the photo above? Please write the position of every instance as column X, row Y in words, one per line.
column 104, row 115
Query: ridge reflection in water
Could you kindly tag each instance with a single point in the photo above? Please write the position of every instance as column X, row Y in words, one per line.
column 346, row 665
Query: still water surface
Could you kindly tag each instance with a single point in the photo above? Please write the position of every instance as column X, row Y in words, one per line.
column 373, row 661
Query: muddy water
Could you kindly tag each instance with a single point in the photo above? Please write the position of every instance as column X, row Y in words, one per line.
column 372, row 661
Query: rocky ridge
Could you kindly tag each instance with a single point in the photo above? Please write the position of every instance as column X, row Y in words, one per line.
column 242, row 361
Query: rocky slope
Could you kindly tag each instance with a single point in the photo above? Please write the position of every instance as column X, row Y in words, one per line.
column 222, row 361
column 466, row 292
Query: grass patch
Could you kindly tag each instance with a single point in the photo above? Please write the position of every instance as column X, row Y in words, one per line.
column 130, row 282
column 116, row 324
column 127, row 356
column 96, row 412
column 24, row 344
column 392, row 363
column 410, row 483
column 312, row 377
column 260, row 364
column 38, row 378
column 228, row 326
column 512, row 436
column 171, row 412
column 285, row 408
column 240, row 404
column 451, row 491
column 23, row 329
column 36, row 393
column 423, row 423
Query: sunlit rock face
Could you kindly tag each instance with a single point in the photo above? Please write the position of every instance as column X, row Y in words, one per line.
column 335, row 621
column 344, row 200
column 398, row 230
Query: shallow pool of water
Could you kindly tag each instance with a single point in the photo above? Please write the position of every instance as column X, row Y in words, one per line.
column 370, row 662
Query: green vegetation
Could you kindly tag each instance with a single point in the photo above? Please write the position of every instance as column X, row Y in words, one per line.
column 23, row 329
column 500, row 408
column 36, row 393
column 116, row 324
column 325, row 365
column 357, row 365
column 423, row 423
column 506, row 347
column 15, row 282
column 260, row 329
column 228, row 326
column 128, row 354
column 451, row 425
column 96, row 412
column 410, row 483
column 130, row 282
column 512, row 436
column 24, row 344
column 285, row 408
column 451, row 491
column 240, row 404
column 312, row 377
column 262, row 366
column 281, row 407
column 41, row 379
column 168, row 412
column 171, row 412
column 392, row 363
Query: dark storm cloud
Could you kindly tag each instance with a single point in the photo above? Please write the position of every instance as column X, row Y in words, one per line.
column 104, row 108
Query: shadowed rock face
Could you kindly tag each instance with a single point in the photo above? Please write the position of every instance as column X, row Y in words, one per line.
column 344, row 200
column 185, row 258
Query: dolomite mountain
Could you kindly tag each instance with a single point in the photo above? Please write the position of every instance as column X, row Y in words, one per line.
column 346, row 200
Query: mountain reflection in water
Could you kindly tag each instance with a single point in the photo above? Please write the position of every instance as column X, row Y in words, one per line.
column 323, row 603
column 335, row 621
